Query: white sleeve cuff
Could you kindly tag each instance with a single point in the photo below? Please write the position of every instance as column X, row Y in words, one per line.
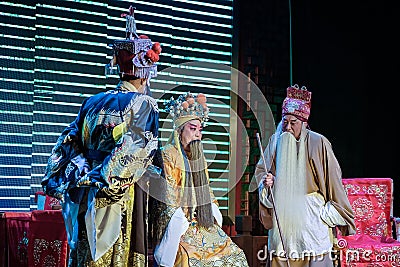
column 264, row 196
column 217, row 214
column 165, row 252
column 331, row 216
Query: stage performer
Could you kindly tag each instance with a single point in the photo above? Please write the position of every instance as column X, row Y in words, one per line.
column 190, row 225
column 98, row 160
column 307, row 189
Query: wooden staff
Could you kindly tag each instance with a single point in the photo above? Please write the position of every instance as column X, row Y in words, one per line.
column 272, row 199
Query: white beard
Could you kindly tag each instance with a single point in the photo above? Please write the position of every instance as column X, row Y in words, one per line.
column 289, row 191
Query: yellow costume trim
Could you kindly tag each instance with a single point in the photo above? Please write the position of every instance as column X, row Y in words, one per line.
column 119, row 131
column 174, row 140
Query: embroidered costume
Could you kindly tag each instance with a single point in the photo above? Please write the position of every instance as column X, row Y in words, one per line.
column 96, row 164
column 184, row 242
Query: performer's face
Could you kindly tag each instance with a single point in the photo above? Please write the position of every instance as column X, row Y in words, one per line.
column 292, row 125
column 191, row 131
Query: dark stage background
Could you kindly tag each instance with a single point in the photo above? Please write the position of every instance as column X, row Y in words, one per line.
column 345, row 50
column 345, row 53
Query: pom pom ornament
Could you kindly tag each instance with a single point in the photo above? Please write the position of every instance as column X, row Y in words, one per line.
column 150, row 54
column 157, row 48
column 188, row 106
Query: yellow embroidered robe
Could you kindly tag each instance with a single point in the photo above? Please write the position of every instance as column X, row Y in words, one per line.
column 198, row 246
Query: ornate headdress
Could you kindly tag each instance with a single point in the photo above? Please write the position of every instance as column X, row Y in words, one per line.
column 297, row 102
column 136, row 56
column 188, row 107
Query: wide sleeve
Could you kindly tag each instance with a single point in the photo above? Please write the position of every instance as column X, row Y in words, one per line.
column 66, row 161
column 326, row 169
column 132, row 154
column 173, row 170
column 172, row 223
column 166, row 251
column 166, row 192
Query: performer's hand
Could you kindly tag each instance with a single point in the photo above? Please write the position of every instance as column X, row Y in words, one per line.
column 268, row 180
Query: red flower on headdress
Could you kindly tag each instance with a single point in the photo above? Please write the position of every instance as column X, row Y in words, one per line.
column 157, row 48
column 142, row 36
column 185, row 104
column 150, row 54
column 201, row 98
column 190, row 100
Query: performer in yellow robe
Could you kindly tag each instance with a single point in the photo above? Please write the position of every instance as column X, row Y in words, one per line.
column 193, row 235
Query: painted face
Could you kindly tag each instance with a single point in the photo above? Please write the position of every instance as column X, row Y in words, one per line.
column 292, row 125
column 191, row 131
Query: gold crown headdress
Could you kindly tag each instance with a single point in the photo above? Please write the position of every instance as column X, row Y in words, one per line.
column 188, row 107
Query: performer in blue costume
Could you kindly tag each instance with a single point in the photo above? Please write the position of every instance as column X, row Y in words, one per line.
column 96, row 164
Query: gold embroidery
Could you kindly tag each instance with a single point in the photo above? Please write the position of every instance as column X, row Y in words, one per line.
column 50, row 250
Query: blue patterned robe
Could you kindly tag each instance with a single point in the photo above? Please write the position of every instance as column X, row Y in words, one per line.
column 94, row 170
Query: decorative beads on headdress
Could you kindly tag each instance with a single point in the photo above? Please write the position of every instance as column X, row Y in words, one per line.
column 188, row 106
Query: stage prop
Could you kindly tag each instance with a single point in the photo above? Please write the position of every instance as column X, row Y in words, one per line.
column 34, row 239
column 373, row 244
